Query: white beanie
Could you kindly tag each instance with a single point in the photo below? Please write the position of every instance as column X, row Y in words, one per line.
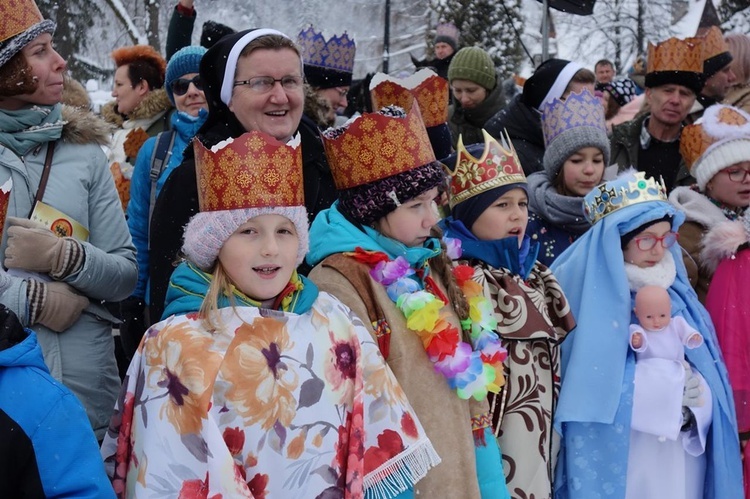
column 207, row 231
column 721, row 138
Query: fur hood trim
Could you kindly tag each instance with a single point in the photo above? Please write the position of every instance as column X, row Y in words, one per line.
column 697, row 207
column 316, row 108
column 721, row 242
column 84, row 127
column 154, row 103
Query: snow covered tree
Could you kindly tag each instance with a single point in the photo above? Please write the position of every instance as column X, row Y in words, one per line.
column 491, row 25
column 74, row 18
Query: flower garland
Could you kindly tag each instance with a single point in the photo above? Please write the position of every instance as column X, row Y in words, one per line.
column 472, row 370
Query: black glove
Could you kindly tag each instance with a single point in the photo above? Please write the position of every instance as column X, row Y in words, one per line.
column 134, row 324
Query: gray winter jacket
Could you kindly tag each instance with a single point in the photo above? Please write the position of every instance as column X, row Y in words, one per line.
column 81, row 186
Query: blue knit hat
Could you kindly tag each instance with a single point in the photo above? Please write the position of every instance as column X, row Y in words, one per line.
column 184, row 61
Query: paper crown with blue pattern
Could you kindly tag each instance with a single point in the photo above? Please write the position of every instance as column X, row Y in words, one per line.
column 626, row 190
column 328, row 63
column 577, row 110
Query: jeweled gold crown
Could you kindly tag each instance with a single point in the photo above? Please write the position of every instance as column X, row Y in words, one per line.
column 713, row 43
column 719, row 124
column 375, row 146
column 625, row 190
column 425, row 86
column 251, row 171
column 497, row 166
column 17, row 16
column 577, row 110
column 335, row 53
column 674, row 54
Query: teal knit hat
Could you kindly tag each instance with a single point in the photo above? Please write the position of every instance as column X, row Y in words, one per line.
column 473, row 64
column 185, row 61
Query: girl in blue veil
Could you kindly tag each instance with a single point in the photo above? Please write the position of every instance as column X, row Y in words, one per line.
column 600, row 455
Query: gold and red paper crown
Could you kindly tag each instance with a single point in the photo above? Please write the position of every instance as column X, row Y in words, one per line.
column 375, row 146
column 425, row 86
column 497, row 166
column 253, row 170
column 719, row 124
column 713, row 43
column 674, row 54
column 17, row 16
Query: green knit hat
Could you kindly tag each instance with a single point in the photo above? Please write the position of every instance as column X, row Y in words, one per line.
column 473, row 64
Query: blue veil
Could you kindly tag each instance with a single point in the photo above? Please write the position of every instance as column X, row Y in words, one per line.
column 595, row 404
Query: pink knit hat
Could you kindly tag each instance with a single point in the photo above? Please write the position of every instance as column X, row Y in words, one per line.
column 239, row 179
column 208, row 231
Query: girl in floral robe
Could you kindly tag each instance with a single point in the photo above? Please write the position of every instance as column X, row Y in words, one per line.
column 258, row 385
column 489, row 217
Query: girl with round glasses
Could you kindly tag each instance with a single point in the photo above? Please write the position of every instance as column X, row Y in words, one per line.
column 717, row 151
column 716, row 234
column 630, row 245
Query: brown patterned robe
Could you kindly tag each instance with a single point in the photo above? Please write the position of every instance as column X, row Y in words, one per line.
column 533, row 319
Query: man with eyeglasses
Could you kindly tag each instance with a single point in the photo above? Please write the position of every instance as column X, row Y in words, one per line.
column 651, row 143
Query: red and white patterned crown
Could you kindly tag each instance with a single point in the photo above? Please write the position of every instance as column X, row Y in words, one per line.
column 375, row 146
column 251, row 171
column 497, row 166
column 425, row 86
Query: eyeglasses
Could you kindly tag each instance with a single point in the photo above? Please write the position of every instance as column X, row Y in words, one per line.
column 737, row 174
column 647, row 243
column 180, row 85
column 264, row 84
column 342, row 91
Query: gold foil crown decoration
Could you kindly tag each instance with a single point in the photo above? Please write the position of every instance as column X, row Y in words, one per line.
column 253, row 170
column 498, row 165
column 425, row 87
column 625, row 190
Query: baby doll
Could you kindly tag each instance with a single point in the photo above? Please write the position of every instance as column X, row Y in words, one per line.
column 659, row 335
column 665, row 384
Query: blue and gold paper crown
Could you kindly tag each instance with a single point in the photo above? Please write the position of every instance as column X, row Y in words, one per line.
column 497, row 166
column 328, row 63
column 625, row 190
column 577, row 110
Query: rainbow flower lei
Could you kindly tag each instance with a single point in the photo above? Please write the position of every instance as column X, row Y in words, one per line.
column 472, row 370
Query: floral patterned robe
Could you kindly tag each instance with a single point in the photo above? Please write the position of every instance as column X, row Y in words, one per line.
column 533, row 318
column 271, row 405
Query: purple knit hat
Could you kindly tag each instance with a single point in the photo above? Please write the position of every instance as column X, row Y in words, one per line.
column 207, row 231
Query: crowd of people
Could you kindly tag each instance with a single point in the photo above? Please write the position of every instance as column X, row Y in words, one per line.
column 222, row 287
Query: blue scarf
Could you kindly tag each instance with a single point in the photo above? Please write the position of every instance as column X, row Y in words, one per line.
column 331, row 233
column 24, row 129
column 499, row 254
column 189, row 286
